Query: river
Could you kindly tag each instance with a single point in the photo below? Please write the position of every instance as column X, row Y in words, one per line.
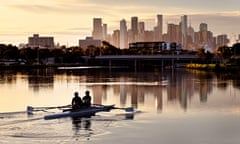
column 170, row 106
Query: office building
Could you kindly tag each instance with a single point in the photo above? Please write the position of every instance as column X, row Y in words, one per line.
column 40, row 42
column 222, row 40
column 89, row 41
column 203, row 27
column 104, row 31
column 158, row 30
column 172, row 33
column 116, row 38
column 134, row 28
column 141, row 31
column 97, row 33
column 184, row 28
column 123, row 34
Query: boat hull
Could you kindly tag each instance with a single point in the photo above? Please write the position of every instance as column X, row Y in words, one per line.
column 80, row 113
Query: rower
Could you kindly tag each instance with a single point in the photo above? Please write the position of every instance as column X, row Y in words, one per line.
column 76, row 101
column 87, row 99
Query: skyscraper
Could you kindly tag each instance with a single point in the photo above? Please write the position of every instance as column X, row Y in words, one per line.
column 203, row 27
column 158, row 29
column 116, row 38
column 104, row 28
column 123, row 34
column 172, row 33
column 222, row 40
column 203, row 30
column 141, row 31
column 184, row 27
column 134, row 28
column 97, row 29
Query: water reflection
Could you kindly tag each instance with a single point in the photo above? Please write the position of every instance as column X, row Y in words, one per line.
column 134, row 88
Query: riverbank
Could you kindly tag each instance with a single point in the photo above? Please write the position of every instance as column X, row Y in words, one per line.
column 213, row 67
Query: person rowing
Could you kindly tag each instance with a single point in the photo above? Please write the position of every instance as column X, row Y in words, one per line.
column 76, row 101
column 87, row 99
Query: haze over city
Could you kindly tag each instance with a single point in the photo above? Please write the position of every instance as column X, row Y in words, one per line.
column 71, row 20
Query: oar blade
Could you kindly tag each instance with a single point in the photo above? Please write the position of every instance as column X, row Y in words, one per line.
column 129, row 109
column 29, row 109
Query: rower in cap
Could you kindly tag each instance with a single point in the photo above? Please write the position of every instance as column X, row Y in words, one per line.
column 87, row 99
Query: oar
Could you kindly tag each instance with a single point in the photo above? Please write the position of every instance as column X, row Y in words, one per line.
column 128, row 109
column 30, row 109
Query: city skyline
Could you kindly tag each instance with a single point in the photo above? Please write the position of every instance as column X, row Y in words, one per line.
column 69, row 21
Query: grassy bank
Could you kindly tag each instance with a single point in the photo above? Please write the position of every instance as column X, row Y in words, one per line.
column 221, row 67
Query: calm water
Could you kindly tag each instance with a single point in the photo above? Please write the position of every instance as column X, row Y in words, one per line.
column 171, row 107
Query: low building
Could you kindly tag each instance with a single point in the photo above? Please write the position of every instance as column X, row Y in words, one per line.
column 40, row 42
column 89, row 41
column 157, row 46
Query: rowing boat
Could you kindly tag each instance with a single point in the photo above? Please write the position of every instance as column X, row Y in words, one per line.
column 83, row 112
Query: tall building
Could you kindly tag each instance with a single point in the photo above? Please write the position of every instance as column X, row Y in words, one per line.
column 134, row 28
column 191, row 39
column 116, row 38
column 222, row 40
column 158, row 30
column 203, row 27
column 123, row 34
column 172, row 33
column 184, row 28
column 97, row 29
column 84, row 43
column 141, row 31
column 104, row 28
column 40, row 42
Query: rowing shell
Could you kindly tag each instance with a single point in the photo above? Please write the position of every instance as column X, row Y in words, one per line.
column 81, row 112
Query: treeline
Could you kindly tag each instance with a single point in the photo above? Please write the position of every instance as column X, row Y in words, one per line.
column 60, row 55
column 76, row 54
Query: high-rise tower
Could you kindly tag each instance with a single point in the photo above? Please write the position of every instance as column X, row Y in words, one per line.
column 141, row 31
column 123, row 34
column 203, row 27
column 184, row 28
column 104, row 29
column 159, row 28
column 97, row 29
column 134, row 28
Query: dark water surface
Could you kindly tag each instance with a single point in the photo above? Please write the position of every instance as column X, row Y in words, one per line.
column 171, row 107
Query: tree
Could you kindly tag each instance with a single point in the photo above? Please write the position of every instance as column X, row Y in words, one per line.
column 204, row 55
column 11, row 52
column 236, row 49
column 92, row 50
column 108, row 49
column 224, row 52
column 27, row 54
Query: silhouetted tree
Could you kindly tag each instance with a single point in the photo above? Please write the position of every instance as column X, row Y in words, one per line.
column 224, row 52
column 236, row 49
column 92, row 51
column 27, row 54
column 11, row 52
column 108, row 49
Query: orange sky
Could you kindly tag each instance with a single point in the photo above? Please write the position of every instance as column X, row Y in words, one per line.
column 71, row 20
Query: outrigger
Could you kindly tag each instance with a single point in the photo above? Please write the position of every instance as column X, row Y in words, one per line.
column 82, row 112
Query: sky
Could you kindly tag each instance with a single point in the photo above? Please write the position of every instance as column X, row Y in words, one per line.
column 71, row 20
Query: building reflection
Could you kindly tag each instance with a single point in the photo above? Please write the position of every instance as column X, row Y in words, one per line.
column 181, row 87
column 124, row 88
column 40, row 79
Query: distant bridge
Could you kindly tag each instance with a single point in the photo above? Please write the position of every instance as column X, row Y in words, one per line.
column 146, row 57
column 136, row 61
